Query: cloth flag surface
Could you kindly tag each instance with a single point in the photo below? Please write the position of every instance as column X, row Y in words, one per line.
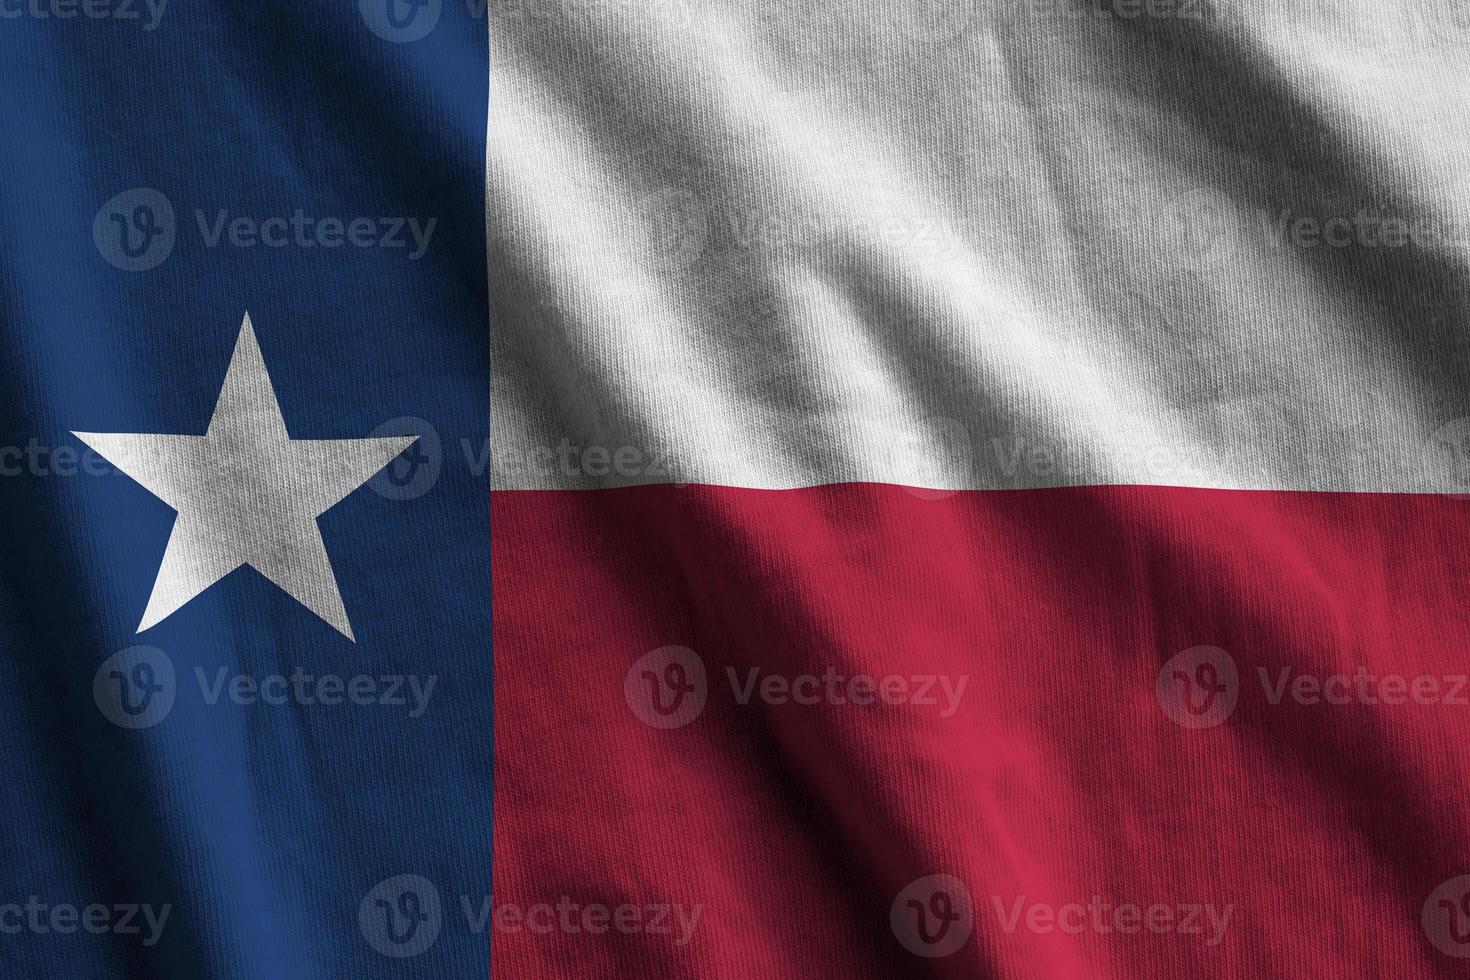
column 245, row 668
column 979, row 489
column 968, row 490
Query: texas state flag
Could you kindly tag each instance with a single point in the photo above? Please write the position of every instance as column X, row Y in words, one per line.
column 968, row 490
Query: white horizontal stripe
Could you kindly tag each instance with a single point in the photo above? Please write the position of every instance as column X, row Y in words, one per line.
column 753, row 245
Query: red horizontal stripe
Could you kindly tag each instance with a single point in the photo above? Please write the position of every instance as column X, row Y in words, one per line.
column 1058, row 775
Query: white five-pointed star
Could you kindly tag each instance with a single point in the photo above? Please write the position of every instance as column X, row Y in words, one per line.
column 246, row 493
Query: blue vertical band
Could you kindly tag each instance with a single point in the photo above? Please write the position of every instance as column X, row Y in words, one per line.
column 241, row 790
